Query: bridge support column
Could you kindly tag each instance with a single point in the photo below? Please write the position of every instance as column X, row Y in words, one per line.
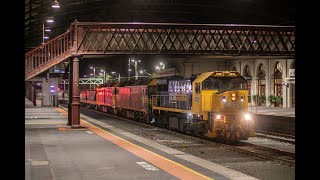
column 70, row 92
column 75, row 94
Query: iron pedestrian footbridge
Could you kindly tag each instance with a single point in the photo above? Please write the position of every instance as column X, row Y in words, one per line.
column 89, row 38
column 94, row 38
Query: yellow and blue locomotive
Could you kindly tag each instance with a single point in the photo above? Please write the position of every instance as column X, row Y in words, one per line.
column 216, row 106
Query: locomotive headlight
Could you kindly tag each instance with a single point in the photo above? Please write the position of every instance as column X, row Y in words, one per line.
column 233, row 98
column 218, row 117
column 247, row 117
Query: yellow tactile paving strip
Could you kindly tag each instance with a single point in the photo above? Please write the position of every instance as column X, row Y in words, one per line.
column 174, row 168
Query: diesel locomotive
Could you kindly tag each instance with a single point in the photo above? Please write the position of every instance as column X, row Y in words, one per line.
column 212, row 105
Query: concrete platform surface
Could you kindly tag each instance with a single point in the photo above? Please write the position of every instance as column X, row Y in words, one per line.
column 100, row 151
column 273, row 111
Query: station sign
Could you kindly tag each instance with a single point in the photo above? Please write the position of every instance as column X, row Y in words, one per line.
column 290, row 80
column 59, row 71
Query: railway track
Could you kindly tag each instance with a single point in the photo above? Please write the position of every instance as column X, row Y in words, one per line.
column 276, row 136
column 260, row 152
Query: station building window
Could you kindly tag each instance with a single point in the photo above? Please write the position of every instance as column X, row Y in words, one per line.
column 248, row 78
column 277, row 75
column 261, row 78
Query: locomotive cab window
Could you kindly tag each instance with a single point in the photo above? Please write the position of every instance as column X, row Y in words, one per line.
column 225, row 83
column 197, row 88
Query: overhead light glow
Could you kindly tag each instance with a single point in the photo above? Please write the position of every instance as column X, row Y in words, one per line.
column 50, row 20
column 47, row 29
column 55, row 4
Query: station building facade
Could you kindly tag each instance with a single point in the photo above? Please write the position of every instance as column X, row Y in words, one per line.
column 265, row 76
column 269, row 77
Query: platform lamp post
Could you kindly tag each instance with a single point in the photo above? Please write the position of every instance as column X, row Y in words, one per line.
column 103, row 75
column 44, row 35
column 113, row 73
column 94, row 71
column 46, row 29
column 94, row 74
column 129, row 69
column 90, row 80
column 136, row 72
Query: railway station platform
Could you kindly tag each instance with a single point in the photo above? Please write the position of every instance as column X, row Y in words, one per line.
column 272, row 111
column 274, row 119
column 100, row 151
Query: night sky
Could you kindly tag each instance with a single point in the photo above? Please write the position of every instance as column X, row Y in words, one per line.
column 119, row 63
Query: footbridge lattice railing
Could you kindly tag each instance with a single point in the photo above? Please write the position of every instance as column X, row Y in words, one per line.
column 89, row 38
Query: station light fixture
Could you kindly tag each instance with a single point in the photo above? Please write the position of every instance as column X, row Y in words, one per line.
column 47, row 29
column 52, row 89
column 45, row 37
column 55, row 4
column 50, row 20
column 161, row 66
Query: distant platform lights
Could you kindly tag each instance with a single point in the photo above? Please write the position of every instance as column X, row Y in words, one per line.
column 49, row 20
column 46, row 29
